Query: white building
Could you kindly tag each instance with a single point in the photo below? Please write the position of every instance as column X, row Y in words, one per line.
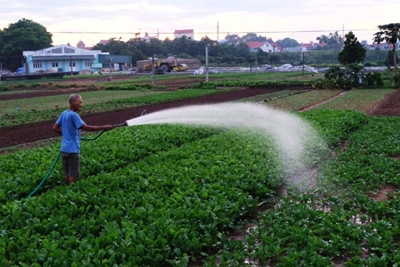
column 264, row 46
column 62, row 58
column 188, row 33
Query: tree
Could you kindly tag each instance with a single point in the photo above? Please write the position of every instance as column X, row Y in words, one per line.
column 333, row 41
column 389, row 33
column 252, row 37
column 262, row 57
column 115, row 47
column 390, row 58
column 232, row 38
column 18, row 37
column 287, row 42
column 242, row 50
column 353, row 51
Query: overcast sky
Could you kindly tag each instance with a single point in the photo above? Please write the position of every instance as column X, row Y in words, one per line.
column 90, row 21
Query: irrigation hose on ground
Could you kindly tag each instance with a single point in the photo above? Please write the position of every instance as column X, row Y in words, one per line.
column 59, row 154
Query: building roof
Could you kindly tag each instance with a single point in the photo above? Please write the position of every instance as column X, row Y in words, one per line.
column 61, row 51
column 80, row 44
column 104, row 42
column 255, row 45
column 146, row 38
column 308, row 45
column 384, row 45
column 184, row 31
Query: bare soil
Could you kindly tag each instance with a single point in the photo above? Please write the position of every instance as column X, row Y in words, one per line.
column 389, row 106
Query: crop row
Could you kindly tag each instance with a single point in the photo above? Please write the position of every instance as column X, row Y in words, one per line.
column 28, row 116
column 350, row 219
column 149, row 196
column 255, row 83
column 168, row 206
column 22, row 171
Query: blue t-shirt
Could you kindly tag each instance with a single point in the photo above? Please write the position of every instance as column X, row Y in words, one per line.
column 71, row 124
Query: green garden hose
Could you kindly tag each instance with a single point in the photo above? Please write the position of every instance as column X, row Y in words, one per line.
column 59, row 154
column 54, row 163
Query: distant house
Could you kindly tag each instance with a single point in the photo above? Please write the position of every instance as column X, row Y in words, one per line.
column 309, row 46
column 146, row 38
column 103, row 42
column 367, row 46
column 298, row 48
column 386, row 46
column 188, row 33
column 304, row 47
column 82, row 45
column 264, row 46
column 66, row 58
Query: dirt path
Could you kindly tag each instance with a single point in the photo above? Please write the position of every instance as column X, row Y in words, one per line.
column 322, row 102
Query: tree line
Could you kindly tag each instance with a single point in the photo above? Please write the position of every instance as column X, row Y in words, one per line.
column 29, row 35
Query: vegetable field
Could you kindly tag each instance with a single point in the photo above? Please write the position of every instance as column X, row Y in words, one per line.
column 177, row 195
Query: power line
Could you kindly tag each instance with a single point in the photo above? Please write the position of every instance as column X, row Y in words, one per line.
column 208, row 32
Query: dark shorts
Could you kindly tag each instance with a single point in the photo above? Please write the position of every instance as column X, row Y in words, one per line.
column 71, row 164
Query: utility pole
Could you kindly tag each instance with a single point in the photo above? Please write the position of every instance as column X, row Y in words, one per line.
column 152, row 63
column 70, row 64
column 342, row 43
column 217, row 31
column 256, row 66
column 206, row 63
column 110, row 60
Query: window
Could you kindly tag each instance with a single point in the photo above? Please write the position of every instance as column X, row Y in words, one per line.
column 56, row 51
column 88, row 63
column 69, row 50
column 54, row 64
column 73, row 63
column 37, row 64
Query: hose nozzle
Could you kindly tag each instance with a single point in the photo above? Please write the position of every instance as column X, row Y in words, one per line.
column 121, row 124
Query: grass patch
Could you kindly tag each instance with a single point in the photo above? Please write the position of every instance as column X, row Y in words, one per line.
column 264, row 97
column 357, row 99
column 298, row 101
column 61, row 101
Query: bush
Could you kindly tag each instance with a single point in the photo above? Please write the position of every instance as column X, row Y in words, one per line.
column 34, row 85
column 4, row 88
column 396, row 78
column 347, row 77
column 20, row 85
column 373, row 78
column 130, row 87
column 370, row 64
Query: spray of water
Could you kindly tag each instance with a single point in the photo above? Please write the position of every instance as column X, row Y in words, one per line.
column 290, row 133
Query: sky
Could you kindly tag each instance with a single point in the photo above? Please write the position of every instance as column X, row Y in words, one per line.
column 70, row 21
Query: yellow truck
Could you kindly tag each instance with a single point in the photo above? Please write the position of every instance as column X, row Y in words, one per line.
column 165, row 65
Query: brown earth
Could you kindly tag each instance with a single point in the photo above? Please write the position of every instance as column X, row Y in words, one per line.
column 389, row 106
column 22, row 134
